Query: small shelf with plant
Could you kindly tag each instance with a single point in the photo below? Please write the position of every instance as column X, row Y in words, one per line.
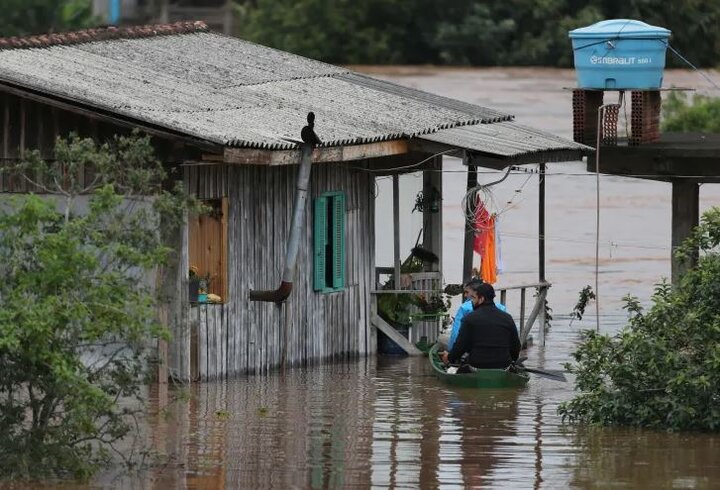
column 199, row 288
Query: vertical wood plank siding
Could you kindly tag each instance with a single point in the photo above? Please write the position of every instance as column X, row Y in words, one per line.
column 240, row 336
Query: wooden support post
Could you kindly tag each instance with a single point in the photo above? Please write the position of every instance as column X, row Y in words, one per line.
column 522, row 307
column 228, row 18
column 433, row 217
column 542, row 318
column 541, row 225
column 164, row 11
column 6, row 142
column 372, row 330
column 23, row 123
column 469, row 234
column 396, row 230
column 162, row 348
column 685, row 217
column 539, row 304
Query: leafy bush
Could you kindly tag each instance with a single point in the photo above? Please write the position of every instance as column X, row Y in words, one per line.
column 663, row 370
column 77, row 313
column 702, row 114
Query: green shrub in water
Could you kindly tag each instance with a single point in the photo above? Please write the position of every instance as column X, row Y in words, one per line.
column 77, row 312
column 662, row 370
column 700, row 115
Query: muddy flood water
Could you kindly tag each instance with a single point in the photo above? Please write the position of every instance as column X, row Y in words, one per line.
column 386, row 422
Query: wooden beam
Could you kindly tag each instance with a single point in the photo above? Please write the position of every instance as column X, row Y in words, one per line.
column 213, row 157
column 677, row 155
column 253, row 156
column 395, row 336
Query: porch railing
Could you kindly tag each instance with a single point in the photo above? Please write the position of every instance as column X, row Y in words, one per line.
column 515, row 299
column 518, row 310
column 415, row 283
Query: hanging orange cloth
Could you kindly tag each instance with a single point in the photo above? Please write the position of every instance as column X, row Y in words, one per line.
column 482, row 217
column 484, row 243
column 488, row 261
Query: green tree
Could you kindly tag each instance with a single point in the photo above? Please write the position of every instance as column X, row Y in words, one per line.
column 25, row 17
column 493, row 32
column 663, row 370
column 77, row 310
column 701, row 115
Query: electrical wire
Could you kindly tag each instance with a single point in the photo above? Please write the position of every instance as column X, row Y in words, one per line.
column 404, row 167
column 481, row 196
column 509, row 204
column 706, row 77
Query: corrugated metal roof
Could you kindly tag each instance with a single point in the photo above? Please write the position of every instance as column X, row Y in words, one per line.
column 236, row 93
column 504, row 140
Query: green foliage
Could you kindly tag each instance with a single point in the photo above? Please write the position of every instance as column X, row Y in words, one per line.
column 702, row 114
column 586, row 295
column 25, row 17
column 494, row 32
column 663, row 370
column 77, row 313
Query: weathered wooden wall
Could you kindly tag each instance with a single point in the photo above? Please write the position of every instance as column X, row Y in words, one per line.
column 241, row 336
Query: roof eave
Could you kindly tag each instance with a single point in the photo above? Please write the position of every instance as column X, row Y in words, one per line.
column 546, row 156
column 110, row 116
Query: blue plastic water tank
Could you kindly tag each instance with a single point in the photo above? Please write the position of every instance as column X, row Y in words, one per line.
column 620, row 54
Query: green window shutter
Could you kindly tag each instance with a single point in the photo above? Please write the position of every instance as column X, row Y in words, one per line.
column 338, row 246
column 319, row 243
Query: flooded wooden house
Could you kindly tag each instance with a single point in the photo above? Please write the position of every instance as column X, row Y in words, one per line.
column 226, row 116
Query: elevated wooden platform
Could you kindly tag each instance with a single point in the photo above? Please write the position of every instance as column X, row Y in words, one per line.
column 690, row 157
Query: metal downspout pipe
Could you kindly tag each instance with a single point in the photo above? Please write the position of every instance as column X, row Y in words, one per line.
column 296, row 231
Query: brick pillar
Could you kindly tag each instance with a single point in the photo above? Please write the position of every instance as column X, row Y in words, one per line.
column 645, row 117
column 585, row 113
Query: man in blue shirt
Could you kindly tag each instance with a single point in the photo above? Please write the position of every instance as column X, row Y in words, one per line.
column 465, row 308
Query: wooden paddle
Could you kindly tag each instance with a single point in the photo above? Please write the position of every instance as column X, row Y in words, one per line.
column 553, row 375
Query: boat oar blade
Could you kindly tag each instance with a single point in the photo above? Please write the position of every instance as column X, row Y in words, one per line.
column 554, row 375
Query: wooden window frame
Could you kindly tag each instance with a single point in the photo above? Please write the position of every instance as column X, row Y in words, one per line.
column 213, row 255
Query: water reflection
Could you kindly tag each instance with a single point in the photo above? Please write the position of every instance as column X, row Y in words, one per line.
column 389, row 423
column 614, row 458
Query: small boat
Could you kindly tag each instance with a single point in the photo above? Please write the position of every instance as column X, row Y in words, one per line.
column 482, row 378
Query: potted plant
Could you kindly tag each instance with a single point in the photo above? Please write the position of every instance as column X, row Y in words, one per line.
column 193, row 284
column 198, row 285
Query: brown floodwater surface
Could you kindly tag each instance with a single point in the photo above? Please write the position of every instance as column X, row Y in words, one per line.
column 388, row 423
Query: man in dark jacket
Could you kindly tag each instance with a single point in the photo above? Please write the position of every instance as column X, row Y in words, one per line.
column 488, row 334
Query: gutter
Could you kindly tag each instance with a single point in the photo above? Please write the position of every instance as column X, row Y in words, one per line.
column 283, row 291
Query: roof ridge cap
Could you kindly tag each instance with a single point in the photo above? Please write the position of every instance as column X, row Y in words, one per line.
column 102, row 34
